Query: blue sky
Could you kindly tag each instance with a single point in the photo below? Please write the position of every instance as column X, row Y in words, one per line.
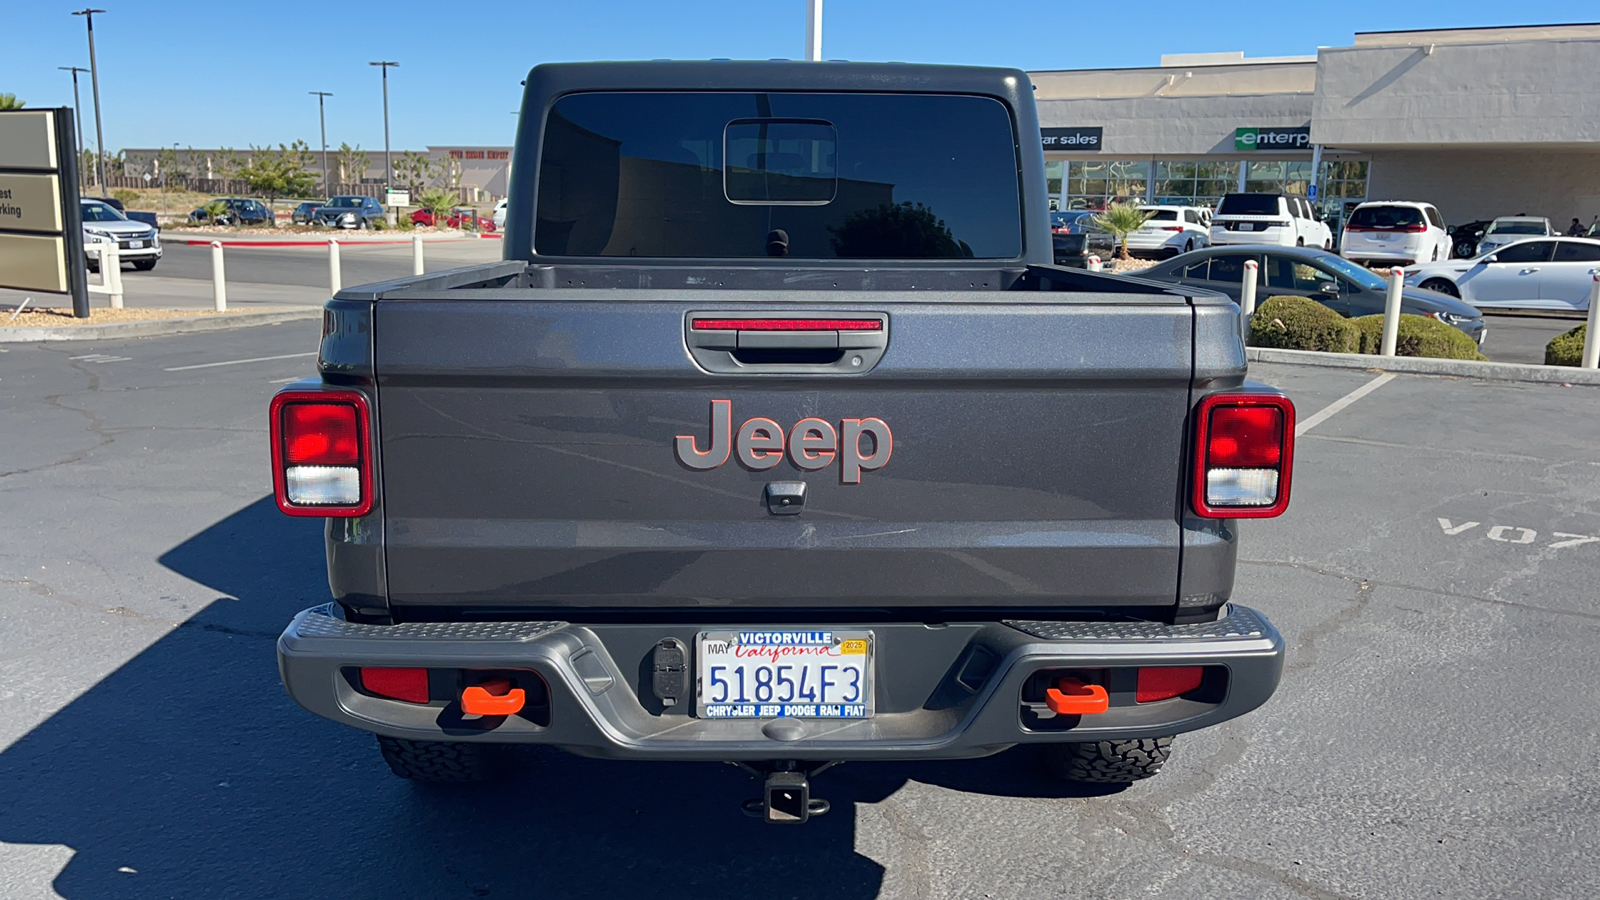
column 220, row 73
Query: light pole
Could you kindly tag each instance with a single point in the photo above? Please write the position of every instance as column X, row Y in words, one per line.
column 322, row 116
column 814, row 30
column 94, row 79
column 77, row 113
column 388, row 166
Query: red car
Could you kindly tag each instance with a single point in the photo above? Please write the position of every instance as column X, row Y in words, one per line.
column 457, row 220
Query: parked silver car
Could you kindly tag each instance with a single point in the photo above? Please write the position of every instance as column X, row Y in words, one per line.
column 136, row 242
column 1506, row 229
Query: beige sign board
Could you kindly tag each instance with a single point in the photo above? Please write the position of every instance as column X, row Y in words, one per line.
column 33, row 263
column 30, row 202
column 28, row 140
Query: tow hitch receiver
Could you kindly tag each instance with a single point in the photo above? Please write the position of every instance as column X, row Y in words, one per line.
column 786, row 797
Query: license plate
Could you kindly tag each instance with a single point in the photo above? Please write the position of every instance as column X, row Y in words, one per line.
column 136, row 245
column 1384, row 237
column 1247, row 226
column 758, row 674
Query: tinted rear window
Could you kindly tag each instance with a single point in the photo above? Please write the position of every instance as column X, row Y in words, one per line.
column 1386, row 217
column 1249, row 205
column 814, row 176
column 1162, row 215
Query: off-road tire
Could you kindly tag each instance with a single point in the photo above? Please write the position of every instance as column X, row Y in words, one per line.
column 1110, row 762
column 441, row 762
column 144, row 265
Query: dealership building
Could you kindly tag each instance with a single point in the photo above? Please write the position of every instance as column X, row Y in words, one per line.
column 1481, row 122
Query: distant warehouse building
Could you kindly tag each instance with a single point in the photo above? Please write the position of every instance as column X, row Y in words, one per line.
column 1482, row 122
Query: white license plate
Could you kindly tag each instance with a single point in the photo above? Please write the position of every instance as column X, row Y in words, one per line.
column 1247, row 226
column 756, row 674
column 136, row 245
column 1384, row 237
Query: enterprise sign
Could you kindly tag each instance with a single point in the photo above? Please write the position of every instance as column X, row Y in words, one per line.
column 1272, row 138
column 1071, row 138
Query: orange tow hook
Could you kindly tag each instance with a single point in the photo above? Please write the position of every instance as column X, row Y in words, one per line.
column 492, row 698
column 1071, row 697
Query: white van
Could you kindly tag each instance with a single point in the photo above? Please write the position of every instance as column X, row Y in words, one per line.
column 1394, row 232
column 1287, row 220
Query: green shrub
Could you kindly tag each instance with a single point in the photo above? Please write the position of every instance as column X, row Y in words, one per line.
column 1566, row 349
column 128, row 198
column 404, row 223
column 1298, row 323
column 1418, row 336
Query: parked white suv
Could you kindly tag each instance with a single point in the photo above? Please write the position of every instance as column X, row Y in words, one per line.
column 1283, row 219
column 1170, row 230
column 1389, row 232
column 499, row 216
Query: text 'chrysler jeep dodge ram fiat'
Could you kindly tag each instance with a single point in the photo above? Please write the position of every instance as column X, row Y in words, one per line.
column 777, row 439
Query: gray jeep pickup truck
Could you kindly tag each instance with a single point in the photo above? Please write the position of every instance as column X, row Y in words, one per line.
column 776, row 439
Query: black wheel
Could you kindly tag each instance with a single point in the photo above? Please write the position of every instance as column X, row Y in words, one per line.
column 362, row 225
column 1299, row 242
column 1110, row 762
column 1188, row 246
column 1441, row 286
column 1435, row 255
column 145, row 265
column 442, row 762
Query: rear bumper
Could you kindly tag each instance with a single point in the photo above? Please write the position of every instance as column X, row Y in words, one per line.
column 943, row 691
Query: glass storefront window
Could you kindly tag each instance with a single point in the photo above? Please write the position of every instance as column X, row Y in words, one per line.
column 1089, row 184
column 1052, row 181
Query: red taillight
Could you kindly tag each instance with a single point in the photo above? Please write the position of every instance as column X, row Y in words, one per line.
column 787, row 325
column 1415, row 228
column 1171, row 227
column 1244, row 450
column 410, row 685
column 1356, row 229
column 321, row 434
column 1166, row 682
column 321, row 453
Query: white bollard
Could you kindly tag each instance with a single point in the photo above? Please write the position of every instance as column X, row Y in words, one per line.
column 1591, row 346
column 335, row 275
column 416, row 254
column 1247, row 297
column 111, row 273
column 1391, row 310
column 219, row 278
column 1094, row 263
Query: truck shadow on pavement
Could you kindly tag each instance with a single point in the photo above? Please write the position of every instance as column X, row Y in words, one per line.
column 187, row 772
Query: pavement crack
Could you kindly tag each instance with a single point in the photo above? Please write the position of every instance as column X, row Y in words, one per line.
column 95, row 423
column 1400, row 585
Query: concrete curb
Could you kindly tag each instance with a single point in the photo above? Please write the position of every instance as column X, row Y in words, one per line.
column 1414, row 365
column 154, row 327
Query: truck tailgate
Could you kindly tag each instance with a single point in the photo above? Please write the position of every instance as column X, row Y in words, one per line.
column 528, row 455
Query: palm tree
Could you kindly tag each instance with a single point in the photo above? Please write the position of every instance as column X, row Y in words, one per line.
column 1122, row 219
column 10, row 101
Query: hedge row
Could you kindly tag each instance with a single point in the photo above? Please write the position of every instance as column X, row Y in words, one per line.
column 1566, row 349
column 1299, row 323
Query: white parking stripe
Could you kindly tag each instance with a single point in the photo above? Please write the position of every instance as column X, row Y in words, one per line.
column 1328, row 412
column 289, row 379
column 240, row 362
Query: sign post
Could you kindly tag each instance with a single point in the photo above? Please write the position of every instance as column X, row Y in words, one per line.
column 41, row 221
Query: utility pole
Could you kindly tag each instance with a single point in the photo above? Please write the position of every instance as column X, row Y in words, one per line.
column 94, row 79
column 322, row 116
column 388, row 165
column 77, row 113
column 814, row 30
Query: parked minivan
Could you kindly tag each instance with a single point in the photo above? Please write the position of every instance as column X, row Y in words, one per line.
column 1288, row 220
column 1395, row 232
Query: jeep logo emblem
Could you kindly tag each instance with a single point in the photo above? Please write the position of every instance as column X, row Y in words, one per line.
column 811, row 444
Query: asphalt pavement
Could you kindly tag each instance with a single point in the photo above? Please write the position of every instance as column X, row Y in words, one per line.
column 1435, row 733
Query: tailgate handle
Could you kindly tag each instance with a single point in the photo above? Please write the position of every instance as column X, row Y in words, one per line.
column 786, row 342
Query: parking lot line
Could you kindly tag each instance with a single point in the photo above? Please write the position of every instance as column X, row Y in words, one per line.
column 240, row 362
column 1329, row 411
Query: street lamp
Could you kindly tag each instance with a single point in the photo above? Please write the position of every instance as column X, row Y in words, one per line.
column 388, row 167
column 94, row 79
column 322, row 116
column 77, row 113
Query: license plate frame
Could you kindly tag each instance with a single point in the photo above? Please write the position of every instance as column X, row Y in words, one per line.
column 136, row 245
column 805, row 653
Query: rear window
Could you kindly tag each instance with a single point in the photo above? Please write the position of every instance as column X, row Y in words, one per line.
column 1162, row 215
column 1522, row 227
column 1386, row 217
column 1248, row 205
column 812, row 176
